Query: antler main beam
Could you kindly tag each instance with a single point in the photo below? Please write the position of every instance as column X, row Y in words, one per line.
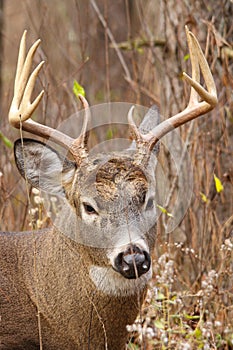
column 22, row 108
column 201, row 100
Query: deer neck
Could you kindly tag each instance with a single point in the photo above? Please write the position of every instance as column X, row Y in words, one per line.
column 60, row 285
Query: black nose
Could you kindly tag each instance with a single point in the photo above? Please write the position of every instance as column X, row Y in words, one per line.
column 133, row 262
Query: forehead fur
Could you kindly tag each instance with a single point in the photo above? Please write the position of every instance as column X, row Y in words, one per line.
column 118, row 175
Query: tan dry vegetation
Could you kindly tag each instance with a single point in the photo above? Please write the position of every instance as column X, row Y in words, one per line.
column 190, row 302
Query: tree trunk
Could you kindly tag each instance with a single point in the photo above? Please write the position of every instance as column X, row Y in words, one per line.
column 1, row 47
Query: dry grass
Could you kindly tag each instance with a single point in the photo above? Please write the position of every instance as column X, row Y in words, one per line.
column 189, row 304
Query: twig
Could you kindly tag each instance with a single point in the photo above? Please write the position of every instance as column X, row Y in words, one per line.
column 111, row 37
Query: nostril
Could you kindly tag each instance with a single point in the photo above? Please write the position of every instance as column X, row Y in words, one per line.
column 133, row 262
column 134, row 258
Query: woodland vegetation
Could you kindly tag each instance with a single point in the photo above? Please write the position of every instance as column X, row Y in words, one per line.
column 135, row 51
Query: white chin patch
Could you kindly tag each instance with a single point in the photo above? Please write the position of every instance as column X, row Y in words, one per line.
column 113, row 283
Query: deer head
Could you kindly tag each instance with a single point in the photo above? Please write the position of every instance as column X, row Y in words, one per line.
column 110, row 199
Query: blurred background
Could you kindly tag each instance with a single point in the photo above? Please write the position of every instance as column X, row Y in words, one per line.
column 135, row 51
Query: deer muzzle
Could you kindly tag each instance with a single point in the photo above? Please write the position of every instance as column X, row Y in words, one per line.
column 132, row 262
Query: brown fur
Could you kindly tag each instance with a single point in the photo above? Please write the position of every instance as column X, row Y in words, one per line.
column 56, row 275
column 112, row 174
column 51, row 276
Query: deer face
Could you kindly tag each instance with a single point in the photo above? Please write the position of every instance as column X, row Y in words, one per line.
column 119, row 203
column 109, row 204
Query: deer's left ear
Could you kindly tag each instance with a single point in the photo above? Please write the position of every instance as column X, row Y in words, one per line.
column 150, row 120
column 43, row 166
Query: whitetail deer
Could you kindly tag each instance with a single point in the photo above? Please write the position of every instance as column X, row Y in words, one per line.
column 57, row 290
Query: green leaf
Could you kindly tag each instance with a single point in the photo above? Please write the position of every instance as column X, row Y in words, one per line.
column 192, row 317
column 109, row 134
column 78, row 89
column 203, row 197
column 197, row 333
column 218, row 185
column 160, row 296
column 159, row 324
column 132, row 346
column 163, row 210
column 140, row 50
column 6, row 141
column 186, row 57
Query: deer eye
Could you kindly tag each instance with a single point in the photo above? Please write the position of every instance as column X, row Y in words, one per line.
column 143, row 198
column 150, row 204
column 89, row 209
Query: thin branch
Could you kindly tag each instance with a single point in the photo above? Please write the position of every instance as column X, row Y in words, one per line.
column 111, row 37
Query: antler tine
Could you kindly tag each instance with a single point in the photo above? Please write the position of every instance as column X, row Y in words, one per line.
column 20, row 63
column 21, row 108
column 79, row 145
column 87, row 116
column 22, row 91
column 195, row 107
column 210, row 96
column 137, row 136
column 195, row 68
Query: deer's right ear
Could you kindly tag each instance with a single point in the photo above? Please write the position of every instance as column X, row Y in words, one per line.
column 43, row 166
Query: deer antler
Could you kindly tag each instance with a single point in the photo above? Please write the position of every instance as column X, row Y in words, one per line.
column 21, row 108
column 201, row 101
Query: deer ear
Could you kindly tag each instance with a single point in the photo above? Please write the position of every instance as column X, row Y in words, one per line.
column 43, row 166
column 149, row 122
